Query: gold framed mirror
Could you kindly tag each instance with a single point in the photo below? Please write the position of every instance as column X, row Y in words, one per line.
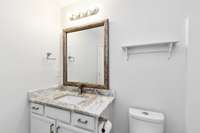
column 86, row 55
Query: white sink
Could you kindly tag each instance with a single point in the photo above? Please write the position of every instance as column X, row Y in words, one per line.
column 71, row 99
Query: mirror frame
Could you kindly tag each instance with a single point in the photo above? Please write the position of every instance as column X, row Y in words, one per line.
column 105, row 24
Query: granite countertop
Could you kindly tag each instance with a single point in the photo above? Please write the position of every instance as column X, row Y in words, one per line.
column 95, row 103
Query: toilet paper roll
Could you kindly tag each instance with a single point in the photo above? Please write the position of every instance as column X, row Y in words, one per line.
column 105, row 127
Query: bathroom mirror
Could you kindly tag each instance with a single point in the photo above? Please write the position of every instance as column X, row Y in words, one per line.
column 86, row 55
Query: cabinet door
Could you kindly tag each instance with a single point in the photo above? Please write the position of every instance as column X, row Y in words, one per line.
column 64, row 128
column 41, row 124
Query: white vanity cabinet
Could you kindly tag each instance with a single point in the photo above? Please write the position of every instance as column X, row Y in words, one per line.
column 45, row 119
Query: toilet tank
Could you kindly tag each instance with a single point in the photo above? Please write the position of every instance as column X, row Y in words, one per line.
column 143, row 121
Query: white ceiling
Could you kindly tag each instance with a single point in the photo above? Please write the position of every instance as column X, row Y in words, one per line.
column 63, row 3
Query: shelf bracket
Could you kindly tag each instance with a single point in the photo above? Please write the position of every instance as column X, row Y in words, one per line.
column 126, row 53
column 171, row 46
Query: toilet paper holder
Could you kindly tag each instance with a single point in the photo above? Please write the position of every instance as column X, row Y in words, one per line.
column 104, row 123
column 105, row 126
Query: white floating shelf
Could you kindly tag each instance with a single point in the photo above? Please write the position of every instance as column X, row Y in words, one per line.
column 169, row 44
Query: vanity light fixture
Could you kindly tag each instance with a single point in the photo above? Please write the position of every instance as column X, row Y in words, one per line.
column 84, row 14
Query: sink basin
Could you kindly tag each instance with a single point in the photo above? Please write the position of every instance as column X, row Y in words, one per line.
column 71, row 99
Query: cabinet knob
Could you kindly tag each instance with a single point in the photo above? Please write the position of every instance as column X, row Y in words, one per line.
column 83, row 122
column 35, row 108
column 58, row 127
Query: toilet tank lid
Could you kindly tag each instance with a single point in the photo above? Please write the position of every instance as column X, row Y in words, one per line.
column 146, row 115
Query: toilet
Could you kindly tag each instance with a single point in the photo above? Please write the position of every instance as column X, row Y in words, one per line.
column 143, row 121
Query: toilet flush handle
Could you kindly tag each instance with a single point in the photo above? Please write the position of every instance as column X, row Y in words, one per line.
column 145, row 113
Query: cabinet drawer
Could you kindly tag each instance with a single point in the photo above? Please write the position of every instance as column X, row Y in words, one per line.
column 83, row 121
column 37, row 108
column 58, row 114
column 66, row 128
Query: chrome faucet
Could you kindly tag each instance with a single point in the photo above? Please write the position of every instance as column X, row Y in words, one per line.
column 81, row 87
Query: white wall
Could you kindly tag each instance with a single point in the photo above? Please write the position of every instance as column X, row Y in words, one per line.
column 29, row 28
column 193, row 91
column 146, row 81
